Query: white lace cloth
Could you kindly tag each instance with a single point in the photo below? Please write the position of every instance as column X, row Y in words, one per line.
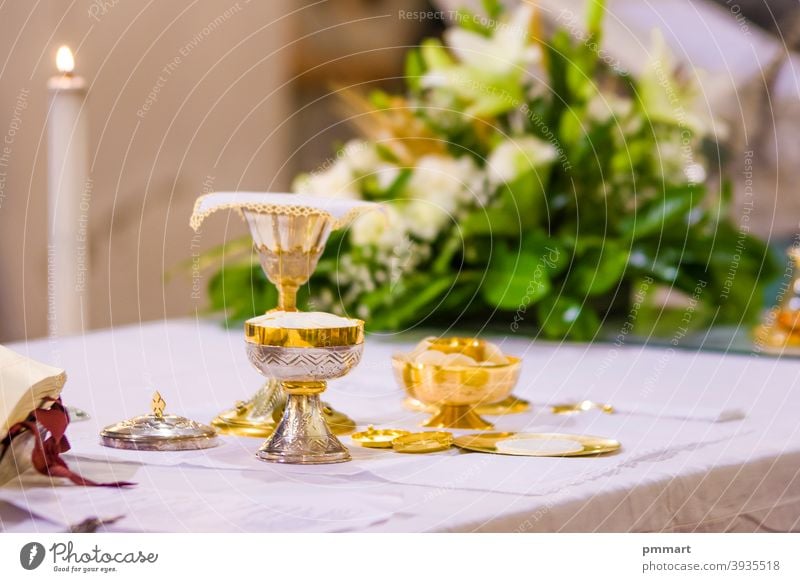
column 340, row 210
column 672, row 474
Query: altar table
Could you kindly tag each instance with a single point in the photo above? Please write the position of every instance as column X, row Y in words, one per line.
column 672, row 473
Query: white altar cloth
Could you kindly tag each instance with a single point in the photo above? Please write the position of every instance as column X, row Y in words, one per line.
column 672, row 474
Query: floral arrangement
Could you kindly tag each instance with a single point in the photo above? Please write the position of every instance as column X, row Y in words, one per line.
column 528, row 181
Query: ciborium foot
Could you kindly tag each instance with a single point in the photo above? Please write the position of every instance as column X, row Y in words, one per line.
column 302, row 437
column 458, row 417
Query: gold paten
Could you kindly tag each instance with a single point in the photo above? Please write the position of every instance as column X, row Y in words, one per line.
column 423, row 442
column 487, row 443
column 378, row 438
column 456, row 391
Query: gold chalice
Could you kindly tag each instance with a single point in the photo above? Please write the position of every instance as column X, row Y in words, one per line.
column 298, row 352
column 457, row 390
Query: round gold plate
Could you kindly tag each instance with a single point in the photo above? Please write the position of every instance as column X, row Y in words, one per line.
column 487, row 443
column 378, row 438
column 423, row 442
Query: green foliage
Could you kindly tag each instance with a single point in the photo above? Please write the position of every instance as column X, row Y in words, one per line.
column 562, row 243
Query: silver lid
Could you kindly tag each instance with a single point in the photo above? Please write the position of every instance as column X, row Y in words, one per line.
column 159, row 432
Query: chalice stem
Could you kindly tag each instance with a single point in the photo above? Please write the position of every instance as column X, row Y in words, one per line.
column 287, row 297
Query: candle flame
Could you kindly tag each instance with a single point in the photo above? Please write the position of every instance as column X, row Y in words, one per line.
column 64, row 60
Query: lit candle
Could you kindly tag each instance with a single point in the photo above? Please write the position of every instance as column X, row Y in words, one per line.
column 68, row 199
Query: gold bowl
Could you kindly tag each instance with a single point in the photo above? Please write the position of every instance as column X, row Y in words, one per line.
column 458, row 389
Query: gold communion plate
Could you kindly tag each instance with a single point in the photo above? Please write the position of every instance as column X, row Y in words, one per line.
column 378, row 438
column 487, row 443
column 318, row 337
column 423, row 442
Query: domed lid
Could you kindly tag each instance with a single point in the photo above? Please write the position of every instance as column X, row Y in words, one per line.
column 159, row 432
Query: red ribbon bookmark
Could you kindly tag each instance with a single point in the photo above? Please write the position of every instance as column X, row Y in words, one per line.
column 47, row 452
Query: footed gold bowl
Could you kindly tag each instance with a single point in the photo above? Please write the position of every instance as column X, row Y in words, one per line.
column 457, row 390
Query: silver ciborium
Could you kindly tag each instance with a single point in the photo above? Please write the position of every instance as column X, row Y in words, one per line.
column 300, row 351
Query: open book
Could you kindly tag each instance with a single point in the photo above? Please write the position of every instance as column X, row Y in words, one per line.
column 25, row 385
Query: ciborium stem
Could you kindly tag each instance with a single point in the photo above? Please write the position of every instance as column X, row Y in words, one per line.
column 450, row 416
column 303, row 436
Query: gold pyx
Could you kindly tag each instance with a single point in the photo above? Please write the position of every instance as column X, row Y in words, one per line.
column 456, row 391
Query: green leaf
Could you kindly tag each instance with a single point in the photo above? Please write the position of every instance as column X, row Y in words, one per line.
column 414, row 70
column 394, row 307
column 524, row 197
column 386, row 154
column 561, row 317
column 662, row 262
column 397, row 186
column 493, row 8
column 514, row 281
column 442, row 263
column 241, row 291
column 468, row 20
column 435, row 55
column 657, row 215
column 598, row 269
column 594, row 18
column 491, row 222
column 380, row 99
column 550, row 251
column 558, row 61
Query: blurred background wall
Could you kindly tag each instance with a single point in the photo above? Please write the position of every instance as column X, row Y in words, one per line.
column 241, row 104
column 216, row 123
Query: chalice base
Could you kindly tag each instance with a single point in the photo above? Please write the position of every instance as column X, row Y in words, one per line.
column 458, row 417
column 302, row 437
column 259, row 416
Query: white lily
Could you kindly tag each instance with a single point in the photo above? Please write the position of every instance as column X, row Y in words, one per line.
column 507, row 49
column 490, row 70
column 337, row 181
column 445, row 182
column 667, row 99
column 515, row 157
column 383, row 229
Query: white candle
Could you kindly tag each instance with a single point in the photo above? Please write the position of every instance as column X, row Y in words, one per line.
column 68, row 200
